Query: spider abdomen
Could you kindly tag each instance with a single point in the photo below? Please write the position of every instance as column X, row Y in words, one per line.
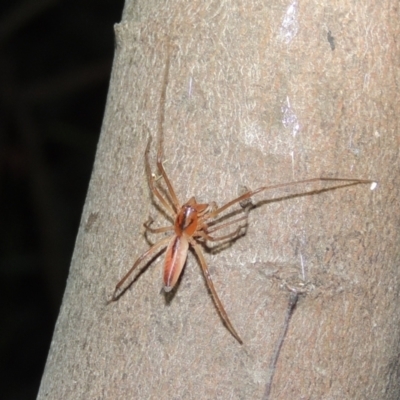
column 175, row 258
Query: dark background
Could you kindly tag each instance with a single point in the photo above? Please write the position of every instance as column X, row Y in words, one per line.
column 55, row 63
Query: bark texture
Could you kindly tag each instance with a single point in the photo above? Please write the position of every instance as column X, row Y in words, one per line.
column 259, row 93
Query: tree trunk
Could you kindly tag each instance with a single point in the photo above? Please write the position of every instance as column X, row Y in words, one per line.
column 259, row 93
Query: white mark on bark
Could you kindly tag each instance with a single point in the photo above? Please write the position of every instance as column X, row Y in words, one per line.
column 290, row 24
column 289, row 118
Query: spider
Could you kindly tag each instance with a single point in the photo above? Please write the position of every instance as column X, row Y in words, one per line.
column 193, row 223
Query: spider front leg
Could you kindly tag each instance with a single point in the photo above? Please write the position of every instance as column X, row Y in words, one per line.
column 210, row 285
column 152, row 182
column 251, row 193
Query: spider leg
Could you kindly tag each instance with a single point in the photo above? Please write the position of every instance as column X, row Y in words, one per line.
column 221, row 226
column 205, row 233
column 156, row 230
column 161, row 119
column 118, row 291
column 207, row 237
column 152, row 183
column 214, row 294
column 168, row 182
column 351, row 182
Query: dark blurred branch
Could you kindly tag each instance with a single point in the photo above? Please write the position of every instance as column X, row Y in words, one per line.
column 44, row 203
column 21, row 15
column 67, row 83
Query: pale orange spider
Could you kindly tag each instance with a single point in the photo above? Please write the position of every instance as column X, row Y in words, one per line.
column 191, row 223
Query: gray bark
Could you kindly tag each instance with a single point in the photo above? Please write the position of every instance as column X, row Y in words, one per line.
column 259, row 93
